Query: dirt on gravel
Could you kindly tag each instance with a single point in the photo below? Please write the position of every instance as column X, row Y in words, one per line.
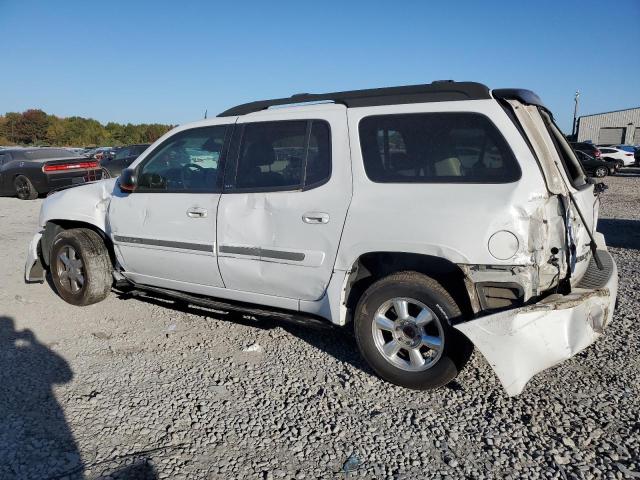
column 135, row 388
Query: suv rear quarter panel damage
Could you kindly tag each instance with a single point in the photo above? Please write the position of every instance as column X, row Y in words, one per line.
column 522, row 342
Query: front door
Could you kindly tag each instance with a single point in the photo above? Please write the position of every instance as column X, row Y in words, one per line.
column 287, row 190
column 164, row 232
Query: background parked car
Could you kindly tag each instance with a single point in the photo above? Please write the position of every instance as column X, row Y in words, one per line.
column 616, row 153
column 119, row 159
column 596, row 167
column 29, row 172
column 98, row 153
column 588, row 148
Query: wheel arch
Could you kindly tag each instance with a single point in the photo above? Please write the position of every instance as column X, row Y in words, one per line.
column 54, row 227
column 371, row 266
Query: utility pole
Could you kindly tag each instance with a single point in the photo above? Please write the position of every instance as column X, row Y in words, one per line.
column 575, row 114
column 205, row 114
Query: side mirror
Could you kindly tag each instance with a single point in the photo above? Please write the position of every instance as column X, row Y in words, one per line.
column 128, row 180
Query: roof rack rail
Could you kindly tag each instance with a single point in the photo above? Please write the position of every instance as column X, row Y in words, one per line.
column 438, row 91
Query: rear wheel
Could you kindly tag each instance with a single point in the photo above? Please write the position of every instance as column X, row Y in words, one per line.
column 403, row 330
column 24, row 188
column 80, row 266
column 600, row 172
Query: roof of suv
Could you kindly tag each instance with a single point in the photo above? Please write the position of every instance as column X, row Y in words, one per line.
column 438, row 91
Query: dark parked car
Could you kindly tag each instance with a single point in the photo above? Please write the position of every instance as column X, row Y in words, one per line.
column 596, row 167
column 124, row 156
column 29, row 172
column 588, row 148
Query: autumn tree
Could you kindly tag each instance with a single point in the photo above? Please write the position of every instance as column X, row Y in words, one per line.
column 35, row 127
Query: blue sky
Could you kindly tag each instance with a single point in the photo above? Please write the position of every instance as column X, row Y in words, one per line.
column 144, row 61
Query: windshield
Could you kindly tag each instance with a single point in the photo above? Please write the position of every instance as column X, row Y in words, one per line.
column 123, row 153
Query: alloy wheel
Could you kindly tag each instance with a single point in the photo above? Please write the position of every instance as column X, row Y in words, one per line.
column 408, row 334
column 70, row 270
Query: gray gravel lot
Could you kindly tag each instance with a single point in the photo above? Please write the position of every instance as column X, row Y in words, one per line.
column 147, row 389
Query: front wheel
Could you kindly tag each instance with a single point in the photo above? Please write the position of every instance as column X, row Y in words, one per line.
column 403, row 330
column 600, row 172
column 80, row 267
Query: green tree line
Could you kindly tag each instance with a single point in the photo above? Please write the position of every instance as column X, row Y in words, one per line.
column 36, row 128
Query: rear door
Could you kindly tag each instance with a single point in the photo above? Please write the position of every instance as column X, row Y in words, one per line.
column 164, row 232
column 287, row 190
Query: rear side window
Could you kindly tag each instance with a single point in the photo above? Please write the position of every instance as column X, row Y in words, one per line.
column 283, row 155
column 436, row 148
column 570, row 163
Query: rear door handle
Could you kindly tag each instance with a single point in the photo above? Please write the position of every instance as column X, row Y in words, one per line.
column 315, row 217
column 197, row 212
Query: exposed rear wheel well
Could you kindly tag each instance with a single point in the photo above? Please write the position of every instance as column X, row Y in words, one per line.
column 54, row 227
column 375, row 265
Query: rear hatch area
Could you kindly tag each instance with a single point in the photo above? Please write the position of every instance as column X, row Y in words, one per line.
column 71, row 171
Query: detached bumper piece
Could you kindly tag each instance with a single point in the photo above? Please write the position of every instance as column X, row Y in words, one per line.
column 33, row 268
column 522, row 342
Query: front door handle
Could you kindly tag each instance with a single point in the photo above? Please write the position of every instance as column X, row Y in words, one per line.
column 197, row 212
column 315, row 217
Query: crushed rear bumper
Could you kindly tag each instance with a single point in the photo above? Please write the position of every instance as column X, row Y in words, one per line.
column 522, row 342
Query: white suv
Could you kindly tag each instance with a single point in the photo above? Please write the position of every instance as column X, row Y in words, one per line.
column 434, row 217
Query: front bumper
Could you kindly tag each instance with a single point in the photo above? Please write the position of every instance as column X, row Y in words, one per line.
column 522, row 342
column 33, row 268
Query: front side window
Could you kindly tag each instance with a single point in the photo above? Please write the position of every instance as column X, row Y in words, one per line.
column 435, row 148
column 186, row 162
column 283, row 155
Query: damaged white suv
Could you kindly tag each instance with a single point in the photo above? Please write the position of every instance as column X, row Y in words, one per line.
column 434, row 217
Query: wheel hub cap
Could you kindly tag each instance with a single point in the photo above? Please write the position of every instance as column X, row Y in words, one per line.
column 408, row 334
column 70, row 270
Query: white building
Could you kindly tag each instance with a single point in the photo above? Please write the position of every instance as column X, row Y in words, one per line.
column 608, row 128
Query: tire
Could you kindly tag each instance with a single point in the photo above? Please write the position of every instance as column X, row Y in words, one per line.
column 105, row 174
column 88, row 277
column 24, row 188
column 600, row 172
column 425, row 298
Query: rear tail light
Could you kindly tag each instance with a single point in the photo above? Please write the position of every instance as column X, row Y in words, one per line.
column 61, row 167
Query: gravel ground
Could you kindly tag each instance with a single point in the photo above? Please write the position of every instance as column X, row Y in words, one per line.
column 134, row 388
